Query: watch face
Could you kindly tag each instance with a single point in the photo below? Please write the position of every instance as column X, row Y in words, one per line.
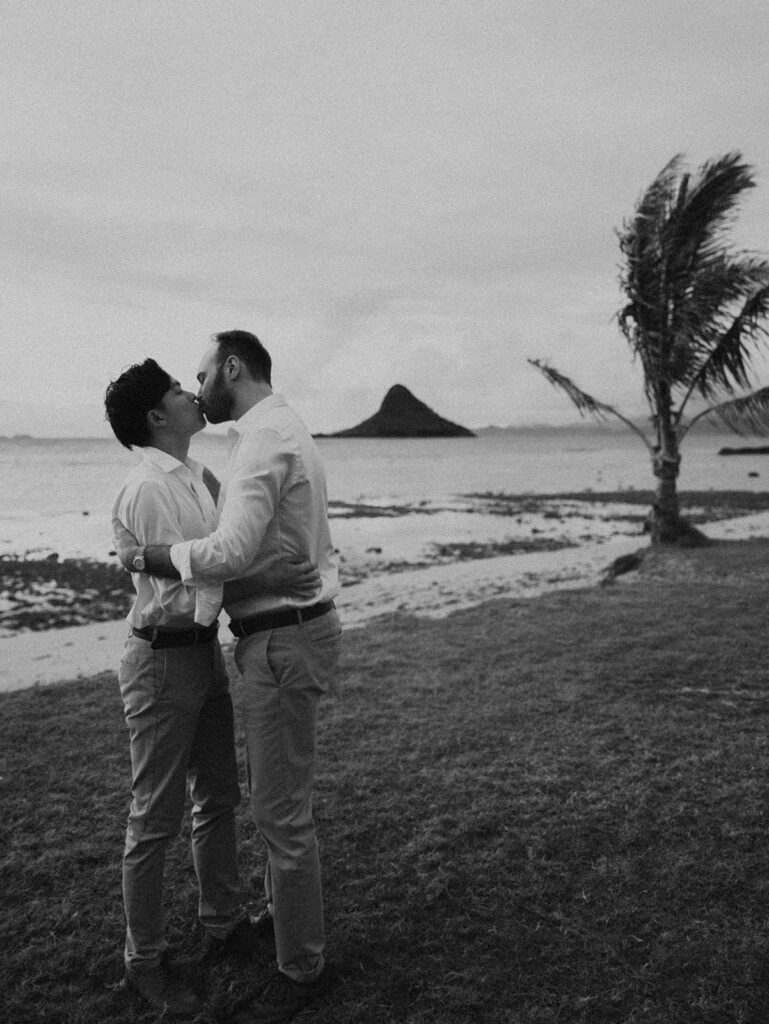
column 138, row 563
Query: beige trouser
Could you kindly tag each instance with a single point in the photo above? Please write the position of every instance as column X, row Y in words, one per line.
column 285, row 672
column 179, row 714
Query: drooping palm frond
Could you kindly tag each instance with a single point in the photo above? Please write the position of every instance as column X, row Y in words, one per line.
column 584, row 402
column 746, row 415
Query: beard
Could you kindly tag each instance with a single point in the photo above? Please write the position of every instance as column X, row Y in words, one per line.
column 219, row 402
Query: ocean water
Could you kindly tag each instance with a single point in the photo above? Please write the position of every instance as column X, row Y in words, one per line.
column 57, row 494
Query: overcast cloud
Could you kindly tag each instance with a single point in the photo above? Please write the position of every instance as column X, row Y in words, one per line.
column 383, row 190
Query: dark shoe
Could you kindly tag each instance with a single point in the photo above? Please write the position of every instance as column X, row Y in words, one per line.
column 164, row 990
column 245, row 940
column 282, row 999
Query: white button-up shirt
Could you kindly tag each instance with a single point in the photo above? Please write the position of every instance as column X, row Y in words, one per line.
column 164, row 501
column 273, row 507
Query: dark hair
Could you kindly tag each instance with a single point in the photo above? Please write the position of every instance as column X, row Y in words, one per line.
column 137, row 390
column 248, row 349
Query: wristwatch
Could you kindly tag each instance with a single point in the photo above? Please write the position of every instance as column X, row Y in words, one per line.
column 138, row 564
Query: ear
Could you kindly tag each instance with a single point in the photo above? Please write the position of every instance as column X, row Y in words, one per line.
column 155, row 418
column 232, row 367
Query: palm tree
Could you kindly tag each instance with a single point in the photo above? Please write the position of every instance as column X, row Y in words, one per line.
column 694, row 315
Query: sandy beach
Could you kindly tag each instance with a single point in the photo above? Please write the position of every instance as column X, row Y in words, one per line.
column 42, row 657
column 427, row 564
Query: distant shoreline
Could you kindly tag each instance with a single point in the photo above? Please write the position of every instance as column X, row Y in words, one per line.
column 580, row 427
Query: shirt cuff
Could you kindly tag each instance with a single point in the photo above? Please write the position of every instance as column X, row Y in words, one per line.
column 208, row 604
column 180, row 555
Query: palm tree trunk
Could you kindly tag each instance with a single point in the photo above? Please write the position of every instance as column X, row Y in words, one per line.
column 665, row 521
column 665, row 515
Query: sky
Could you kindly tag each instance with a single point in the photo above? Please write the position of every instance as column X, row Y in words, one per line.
column 422, row 192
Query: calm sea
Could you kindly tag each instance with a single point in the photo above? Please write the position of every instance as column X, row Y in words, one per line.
column 57, row 488
column 53, row 476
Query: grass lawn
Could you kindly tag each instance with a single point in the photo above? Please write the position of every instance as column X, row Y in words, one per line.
column 550, row 810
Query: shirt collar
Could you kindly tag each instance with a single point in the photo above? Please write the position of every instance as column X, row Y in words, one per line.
column 168, row 463
column 257, row 413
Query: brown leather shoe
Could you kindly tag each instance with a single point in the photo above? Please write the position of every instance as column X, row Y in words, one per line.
column 164, row 990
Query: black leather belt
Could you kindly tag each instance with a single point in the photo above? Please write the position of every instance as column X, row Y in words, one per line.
column 161, row 636
column 277, row 619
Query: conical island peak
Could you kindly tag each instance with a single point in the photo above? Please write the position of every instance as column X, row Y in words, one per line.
column 402, row 414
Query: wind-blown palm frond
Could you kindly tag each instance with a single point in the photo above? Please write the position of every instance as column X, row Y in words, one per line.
column 712, row 353
column 683, row 288
column 643, row 319
column 697, row 220
column 715, row 296
column 746, row 415
column 583, row 401
column 727, row 365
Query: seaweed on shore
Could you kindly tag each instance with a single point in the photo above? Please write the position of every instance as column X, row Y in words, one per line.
column 46, row 593
column 471, row 550
column 698, row 506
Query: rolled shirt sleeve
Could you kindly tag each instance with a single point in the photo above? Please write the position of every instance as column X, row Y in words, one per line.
column 259, row 471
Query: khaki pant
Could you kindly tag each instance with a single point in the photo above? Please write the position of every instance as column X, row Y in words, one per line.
column 285, row 673
column 179, row 715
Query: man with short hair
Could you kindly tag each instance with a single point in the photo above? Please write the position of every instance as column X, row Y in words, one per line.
column 175, row 691
column 273, row 508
